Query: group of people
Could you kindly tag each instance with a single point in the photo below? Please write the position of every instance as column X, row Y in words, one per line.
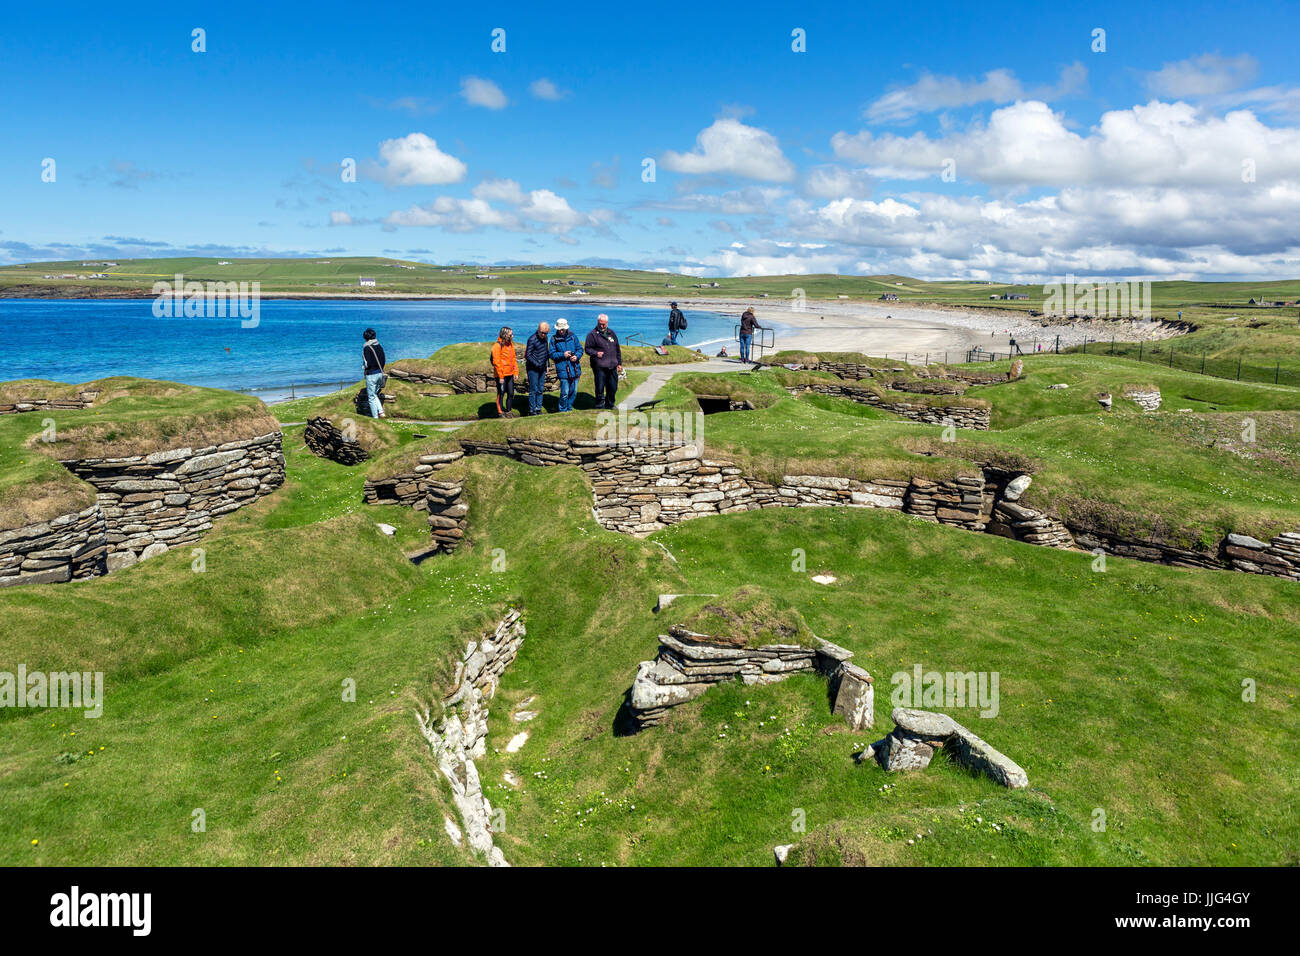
column 563, row 350
column 601, row 347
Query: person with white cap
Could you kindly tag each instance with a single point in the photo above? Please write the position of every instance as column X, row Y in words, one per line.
column 566, row 353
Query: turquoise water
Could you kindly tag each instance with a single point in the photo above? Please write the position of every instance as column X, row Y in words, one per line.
column 305, row 347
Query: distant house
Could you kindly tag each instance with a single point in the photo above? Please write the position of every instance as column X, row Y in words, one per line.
column 365, row 281
column 485, row 275
column 1268, row 303
column 551, row 281
column 890, row 296
column 1015, row 295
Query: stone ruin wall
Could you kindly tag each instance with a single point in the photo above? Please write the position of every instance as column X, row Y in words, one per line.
column 83, row 399
column 459, row 736
column 976, row 418
column 639, row 489
column 144, row 506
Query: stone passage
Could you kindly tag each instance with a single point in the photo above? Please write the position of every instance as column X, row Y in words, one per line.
column 689, row 664
column 155, row 502
column 325, row 440
column 919, row 733
column 83, row 399
column 460, row 734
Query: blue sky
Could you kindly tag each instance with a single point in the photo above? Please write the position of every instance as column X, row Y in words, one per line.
column 1175, row 153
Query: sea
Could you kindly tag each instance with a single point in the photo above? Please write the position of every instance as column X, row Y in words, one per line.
column 297, row 347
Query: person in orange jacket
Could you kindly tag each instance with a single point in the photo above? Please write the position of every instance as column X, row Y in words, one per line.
column 505, row 366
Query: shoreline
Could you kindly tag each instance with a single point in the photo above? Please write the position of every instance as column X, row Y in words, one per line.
column 909, row 331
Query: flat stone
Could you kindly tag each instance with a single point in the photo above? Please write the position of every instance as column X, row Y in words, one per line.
column 924, row 723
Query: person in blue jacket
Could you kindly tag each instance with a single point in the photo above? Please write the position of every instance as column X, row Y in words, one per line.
column 566, row 353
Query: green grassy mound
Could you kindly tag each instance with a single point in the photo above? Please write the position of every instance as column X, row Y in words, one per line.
column 746, row 616
column 130, row 417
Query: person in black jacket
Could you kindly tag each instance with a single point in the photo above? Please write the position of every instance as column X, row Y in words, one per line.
column 372, row 354
column 676, row 323
column 606, row 360
column 536, row 354
column 748, row 323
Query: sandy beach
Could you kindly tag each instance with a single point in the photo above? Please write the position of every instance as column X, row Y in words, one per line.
column 910, row 331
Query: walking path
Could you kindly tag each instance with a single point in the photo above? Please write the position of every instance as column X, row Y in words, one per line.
column 660, row 374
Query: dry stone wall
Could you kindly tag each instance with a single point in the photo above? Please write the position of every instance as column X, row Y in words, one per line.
column 66, row 548
column 856, row 372
column 325, row 440
column 1148, row 399
column 463, row 382
column 976, row 418
column 689, row 664
column 83, row 399
column 448, row 514
column 168, row 498
column 408, row 488
column 459, row 736
column 642, row 488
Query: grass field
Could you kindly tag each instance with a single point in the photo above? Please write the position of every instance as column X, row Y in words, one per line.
column 1120, row 691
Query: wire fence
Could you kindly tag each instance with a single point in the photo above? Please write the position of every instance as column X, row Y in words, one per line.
column 1168, row 354
column 1162, row 353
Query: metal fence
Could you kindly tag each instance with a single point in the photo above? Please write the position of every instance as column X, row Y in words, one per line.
column 1168, row 354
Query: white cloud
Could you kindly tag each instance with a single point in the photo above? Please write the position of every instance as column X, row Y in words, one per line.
column 544, row 89
column 731, row 147
column 480, row 92
column 454, row 215
column 499, row 190
column 340, row 218
column 414, row 160
column 933, row 92
column 748, row 201
column 1028, row 144
column 834, row 182
column 537, row 210
column 1206, row 75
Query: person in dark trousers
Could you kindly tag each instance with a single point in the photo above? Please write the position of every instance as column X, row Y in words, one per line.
column 676, row 323
column 606, row 361
column 372, row 354
column 747, row 326
column 1017, row 348
column 566, row 353
column 505, row 366
column 537, row 352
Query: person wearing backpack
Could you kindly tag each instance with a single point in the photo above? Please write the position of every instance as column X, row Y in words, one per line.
column 372, row 357
column 566, row 353
column 505, row 366
column 676, row 323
